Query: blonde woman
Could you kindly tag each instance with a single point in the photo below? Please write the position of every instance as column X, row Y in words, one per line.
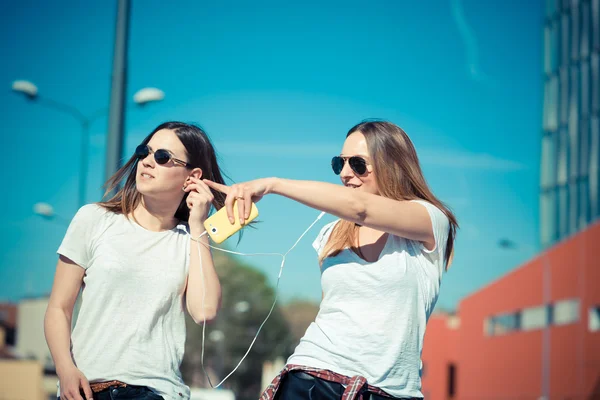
column 381, row 268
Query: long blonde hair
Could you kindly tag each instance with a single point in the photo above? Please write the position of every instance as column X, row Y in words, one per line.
column 398, row 175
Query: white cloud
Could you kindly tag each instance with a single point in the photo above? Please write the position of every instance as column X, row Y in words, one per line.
column 469, row 40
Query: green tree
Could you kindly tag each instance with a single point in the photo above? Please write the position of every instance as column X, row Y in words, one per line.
column 299, row 314
column 246, row 301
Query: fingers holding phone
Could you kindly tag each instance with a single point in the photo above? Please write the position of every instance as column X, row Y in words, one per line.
column 244, row 194
column 218, row 226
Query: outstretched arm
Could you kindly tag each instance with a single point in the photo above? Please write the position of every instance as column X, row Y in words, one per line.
column 403, row 218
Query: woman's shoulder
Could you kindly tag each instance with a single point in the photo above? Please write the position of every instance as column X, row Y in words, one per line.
column 328, row 228
column 93, row 213
column 323, row 236
column 436, row 214
column 93, row 209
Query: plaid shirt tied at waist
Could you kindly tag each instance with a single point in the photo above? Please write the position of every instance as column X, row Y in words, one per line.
column 354, row 387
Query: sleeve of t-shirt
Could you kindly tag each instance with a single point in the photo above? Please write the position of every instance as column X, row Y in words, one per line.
column 440, row 225
column 321, row 240
column 77, row 243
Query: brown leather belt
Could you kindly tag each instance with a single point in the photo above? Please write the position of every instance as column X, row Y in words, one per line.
column 100, row 386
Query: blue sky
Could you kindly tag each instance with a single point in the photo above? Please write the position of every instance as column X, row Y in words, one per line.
column 277, row 85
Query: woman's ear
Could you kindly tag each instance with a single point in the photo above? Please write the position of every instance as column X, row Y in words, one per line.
column 196, row 173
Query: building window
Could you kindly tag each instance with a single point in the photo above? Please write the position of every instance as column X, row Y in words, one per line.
column 595, row 85
column 584, row 166
column 548, row 170
column 548, row 217
column 551, row 104
column 584, row 205
column 451, row 380
column 564, row 95
column 594, row 319
column 554, row 43
column 596, row 24
column 550, row 308
column 573, row 210
column 551, row 8
column 535, row 318
column 563, row 211
column 565, row 312
column 562, row 144
column 575, row 32
column 505, row 323
column 584, row 148
column 574, row 100
column 573, row 150
column 585, row 29
column 585, row 88
column 564, row 43
column 594, row 167
column 547, row 46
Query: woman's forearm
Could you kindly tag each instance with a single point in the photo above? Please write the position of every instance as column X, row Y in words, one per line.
column 403, row 218
column 203, row 299
column 57, row 329
column 337, row 200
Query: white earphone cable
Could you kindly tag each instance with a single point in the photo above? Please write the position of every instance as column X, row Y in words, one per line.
column 283, row 256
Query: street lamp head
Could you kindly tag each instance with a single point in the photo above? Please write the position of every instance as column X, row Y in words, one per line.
column 25, row 87
column 148, row 95
column 43, row 209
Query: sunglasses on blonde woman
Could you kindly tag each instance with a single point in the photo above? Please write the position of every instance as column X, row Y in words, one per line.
column 358, row 164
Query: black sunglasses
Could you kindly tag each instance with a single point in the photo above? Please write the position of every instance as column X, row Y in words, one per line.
column 358, row 164
column 161, row 156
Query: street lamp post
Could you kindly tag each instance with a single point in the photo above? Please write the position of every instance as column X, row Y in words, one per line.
column 30, row 91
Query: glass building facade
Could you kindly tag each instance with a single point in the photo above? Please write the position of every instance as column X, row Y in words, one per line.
column 569, row 179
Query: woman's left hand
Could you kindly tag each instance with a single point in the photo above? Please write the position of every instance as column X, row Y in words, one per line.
column 246, row 193
column 199, row 200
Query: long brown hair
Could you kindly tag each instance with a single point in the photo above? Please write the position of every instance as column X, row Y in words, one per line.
column 200, row 154
column 398, row 175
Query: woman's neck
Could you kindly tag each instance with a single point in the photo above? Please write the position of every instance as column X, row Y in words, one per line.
column 155, row 216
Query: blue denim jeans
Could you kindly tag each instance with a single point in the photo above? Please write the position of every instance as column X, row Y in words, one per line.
column 298, row 385
column 130, row 392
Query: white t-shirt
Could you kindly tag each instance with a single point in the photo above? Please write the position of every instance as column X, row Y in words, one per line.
column 372, row 318
column 131, row 324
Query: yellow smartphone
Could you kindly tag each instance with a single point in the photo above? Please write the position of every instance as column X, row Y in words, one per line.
column 218, row 226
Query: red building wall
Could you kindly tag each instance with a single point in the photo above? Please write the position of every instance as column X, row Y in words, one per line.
column 562, row 360
column 439, row 352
